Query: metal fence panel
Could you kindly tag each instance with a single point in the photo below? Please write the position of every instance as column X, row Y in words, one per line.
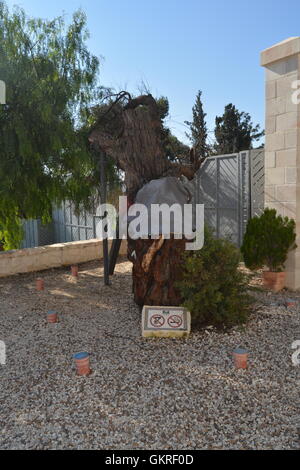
column 257, row 174
column 36, row 233
column 218, row 191
column 244, row 191
column 69, row 226
column 225, row 184
column 30, row 234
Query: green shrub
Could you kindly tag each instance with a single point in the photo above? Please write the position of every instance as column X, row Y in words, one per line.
column 213, row 288
column 267, row 241
column 12, row 235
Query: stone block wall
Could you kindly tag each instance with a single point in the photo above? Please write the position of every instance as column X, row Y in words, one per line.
column 282, row 145
column 51, row 256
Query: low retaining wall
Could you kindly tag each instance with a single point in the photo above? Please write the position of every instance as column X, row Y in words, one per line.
column 51, row 256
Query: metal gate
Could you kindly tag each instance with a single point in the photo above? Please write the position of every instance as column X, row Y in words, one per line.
column 66, row 226
column 226, row 185
column 257, row 176
column 69, row 227
column 37, row 234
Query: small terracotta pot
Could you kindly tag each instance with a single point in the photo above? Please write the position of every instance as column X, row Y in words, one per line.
column 82, row 362
column 52, row 316
column 240, row 357
column 40, row 284
column 74, row 270
column 274, row 280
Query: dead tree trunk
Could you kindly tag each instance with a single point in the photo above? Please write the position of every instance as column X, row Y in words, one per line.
column 131, row 132
column 156, row 268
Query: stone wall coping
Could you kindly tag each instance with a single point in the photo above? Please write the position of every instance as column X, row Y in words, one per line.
column 40, row 249
column 51, row 256
column 281, row 50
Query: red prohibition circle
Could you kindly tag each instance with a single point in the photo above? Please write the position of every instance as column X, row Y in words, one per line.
column 174, row 321
column 157, row 320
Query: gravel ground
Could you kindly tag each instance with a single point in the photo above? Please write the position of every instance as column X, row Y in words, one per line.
column 143, row 393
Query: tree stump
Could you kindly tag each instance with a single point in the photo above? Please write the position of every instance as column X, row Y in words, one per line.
column 157, row 266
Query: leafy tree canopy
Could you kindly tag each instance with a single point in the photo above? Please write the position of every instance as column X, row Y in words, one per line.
column 51, row 81
column 175, row 149
column 235, row 131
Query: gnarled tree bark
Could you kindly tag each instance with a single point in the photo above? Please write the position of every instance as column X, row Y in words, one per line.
column 131, row 132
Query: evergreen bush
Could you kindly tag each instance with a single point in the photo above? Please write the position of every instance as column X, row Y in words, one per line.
column 267, row 241
column 213, row 287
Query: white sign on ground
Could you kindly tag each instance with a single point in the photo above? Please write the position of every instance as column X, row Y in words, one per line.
column 165, row 322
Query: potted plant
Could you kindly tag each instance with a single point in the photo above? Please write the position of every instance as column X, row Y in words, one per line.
column 267, row 241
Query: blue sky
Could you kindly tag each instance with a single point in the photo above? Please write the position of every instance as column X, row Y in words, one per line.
column 179, row 46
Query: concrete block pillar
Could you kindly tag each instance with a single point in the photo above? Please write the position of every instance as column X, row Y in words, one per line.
column 282, row 145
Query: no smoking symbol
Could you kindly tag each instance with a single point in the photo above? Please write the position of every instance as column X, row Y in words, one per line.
column 157, row 321
column 175, row 321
